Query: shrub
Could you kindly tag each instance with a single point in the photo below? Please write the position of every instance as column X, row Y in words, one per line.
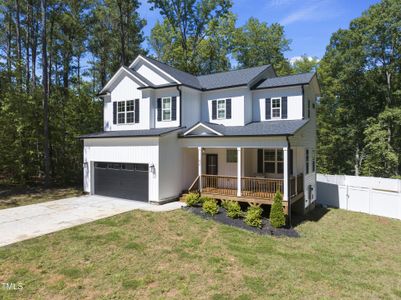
column 225, row 203
column 277, row 217
column 253, row 216
column 210, row 206
column 192, row 199
column 233, row 209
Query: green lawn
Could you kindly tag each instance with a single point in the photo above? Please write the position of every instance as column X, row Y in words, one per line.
column 15, row 196
column 179, row 255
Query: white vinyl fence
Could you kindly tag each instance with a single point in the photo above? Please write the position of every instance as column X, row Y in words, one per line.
column 371, row 195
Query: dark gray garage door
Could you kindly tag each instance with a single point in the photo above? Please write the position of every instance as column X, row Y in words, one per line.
column 122, row 180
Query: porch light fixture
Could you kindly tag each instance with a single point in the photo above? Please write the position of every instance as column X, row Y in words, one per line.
column 152, row 168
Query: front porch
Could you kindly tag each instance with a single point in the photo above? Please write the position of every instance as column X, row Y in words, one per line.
column 252, row 176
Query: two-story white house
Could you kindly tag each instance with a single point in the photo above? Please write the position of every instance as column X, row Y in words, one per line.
column 240, row 135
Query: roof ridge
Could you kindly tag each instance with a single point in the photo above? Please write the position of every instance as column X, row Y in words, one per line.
column 229, row 71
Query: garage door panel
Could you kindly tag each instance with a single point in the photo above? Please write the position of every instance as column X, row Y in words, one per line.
column 122, row 180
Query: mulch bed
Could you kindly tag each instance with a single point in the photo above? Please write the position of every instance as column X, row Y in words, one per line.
column 222, row 217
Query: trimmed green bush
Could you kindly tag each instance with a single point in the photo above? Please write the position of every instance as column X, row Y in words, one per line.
column 233, row 209
column 253, row 216
column 210, row 206
column 225, row 203
column 192, row 199
column 277, row 217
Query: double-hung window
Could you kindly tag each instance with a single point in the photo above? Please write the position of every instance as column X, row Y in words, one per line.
column 121, row 112
column 273, row 161
column 276, row 108
column 125, row 112
column 221, row 109
column 166, row 109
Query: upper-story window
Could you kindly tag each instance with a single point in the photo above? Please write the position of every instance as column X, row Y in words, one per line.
column 306, row 161
column 126, row 112
column 166, row 109
column 276, row 108
column 221, row 109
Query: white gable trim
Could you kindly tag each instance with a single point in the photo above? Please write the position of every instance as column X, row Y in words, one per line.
column 156, row 67
column 204, row 126
column 116, row 76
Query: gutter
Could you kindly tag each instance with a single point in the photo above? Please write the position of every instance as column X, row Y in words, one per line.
column 180, row 95
column 288, row 182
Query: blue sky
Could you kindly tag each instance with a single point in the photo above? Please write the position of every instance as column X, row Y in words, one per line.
column 308, row 23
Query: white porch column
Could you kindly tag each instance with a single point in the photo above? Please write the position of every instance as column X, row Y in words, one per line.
column 285, row 173
column 200, row 167
column 239, row 172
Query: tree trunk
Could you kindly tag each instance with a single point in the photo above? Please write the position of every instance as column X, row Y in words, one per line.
column 27, row 45
column 34, row 45
column 19, row 47
column 9, row 39
column 122, row 34
column 46, row 150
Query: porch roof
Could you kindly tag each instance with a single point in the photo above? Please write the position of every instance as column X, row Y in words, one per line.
column 266, row 128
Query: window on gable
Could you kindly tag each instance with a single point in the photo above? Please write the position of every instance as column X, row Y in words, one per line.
column 166, row 109
column 232, row 155
column 121, row 112
column 276, row 108
column 125, row 112
column 221, row 109
column 130, row 111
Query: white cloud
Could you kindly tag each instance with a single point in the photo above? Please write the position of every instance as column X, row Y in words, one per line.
column 311, row 11
column 278, row 3
column 293, row 59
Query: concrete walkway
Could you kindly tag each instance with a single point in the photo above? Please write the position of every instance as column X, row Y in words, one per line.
column 26, row 222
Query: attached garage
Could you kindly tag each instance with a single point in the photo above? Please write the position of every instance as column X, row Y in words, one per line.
column 122, row 180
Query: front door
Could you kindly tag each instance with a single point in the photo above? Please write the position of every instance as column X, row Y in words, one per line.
column 211, row 164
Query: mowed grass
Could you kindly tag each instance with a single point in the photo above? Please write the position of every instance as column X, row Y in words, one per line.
column 141, row 255
column 15, row 197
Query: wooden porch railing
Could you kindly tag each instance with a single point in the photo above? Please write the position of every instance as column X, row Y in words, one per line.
column 221, row 185
column 251, row 187
column 255, row 187
column 260, row 187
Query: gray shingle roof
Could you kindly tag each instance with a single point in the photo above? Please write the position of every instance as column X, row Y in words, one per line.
column 130, row 133
column 267, row 128
column 230, row 78
column 303, row 78
column 183, row 77
column 211, row 81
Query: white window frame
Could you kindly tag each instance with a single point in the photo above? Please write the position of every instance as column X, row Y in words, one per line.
column 125, row 112
column 130, row 111
column 275, row 108
column 121, row 112
column 166, row 109
column 276, row 161
column 221, row 109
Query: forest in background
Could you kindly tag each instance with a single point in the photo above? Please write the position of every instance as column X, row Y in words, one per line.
column 56, row 55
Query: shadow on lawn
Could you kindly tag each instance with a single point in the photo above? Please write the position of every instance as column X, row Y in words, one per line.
column 314, row 216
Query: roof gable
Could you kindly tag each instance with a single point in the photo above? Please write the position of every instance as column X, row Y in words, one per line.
column 119, row 75
column 201, row 129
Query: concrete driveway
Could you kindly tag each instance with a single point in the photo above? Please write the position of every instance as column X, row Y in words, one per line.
column 26, row 222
